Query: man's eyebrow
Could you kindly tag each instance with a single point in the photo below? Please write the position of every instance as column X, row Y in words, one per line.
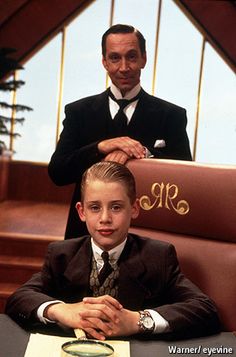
column 113, row 53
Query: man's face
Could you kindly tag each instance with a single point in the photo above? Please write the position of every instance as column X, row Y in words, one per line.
column 123, row 60
column 107, row 211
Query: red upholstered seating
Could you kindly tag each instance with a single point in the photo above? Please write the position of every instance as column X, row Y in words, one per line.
column 193, row 206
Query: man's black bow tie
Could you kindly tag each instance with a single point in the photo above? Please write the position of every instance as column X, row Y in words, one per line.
column 120, row 119
column 124, row 102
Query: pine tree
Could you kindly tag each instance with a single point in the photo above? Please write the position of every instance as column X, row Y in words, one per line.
column 7, row 66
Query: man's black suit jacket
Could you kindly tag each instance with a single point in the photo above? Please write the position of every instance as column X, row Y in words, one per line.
column 88, row 121
column 149, row 277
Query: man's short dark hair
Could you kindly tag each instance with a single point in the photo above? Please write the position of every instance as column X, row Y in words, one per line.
column 120, row 28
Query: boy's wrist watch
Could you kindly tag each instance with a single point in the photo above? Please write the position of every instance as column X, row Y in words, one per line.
column 146, row 322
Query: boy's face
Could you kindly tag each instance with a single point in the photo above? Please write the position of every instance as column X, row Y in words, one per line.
column 107, row 211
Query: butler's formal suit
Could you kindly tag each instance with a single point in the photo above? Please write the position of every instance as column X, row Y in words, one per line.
column 149, row 277
column 88, row 121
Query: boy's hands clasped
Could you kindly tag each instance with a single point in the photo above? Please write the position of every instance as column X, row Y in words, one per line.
column 99, row 317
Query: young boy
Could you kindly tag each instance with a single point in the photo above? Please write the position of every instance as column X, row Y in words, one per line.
column 137, row 288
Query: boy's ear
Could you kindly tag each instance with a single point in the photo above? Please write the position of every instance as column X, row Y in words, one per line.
column 80, row 210
column 135, row 209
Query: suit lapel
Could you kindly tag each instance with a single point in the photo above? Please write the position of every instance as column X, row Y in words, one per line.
column 100, row 117
column 132, row 292
column 144, row 107
column 145, row 124
column 78, row 270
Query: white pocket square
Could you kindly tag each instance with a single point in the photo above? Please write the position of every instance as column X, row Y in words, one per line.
column 160, row 143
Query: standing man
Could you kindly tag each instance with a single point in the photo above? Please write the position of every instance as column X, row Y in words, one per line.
column 121, row 123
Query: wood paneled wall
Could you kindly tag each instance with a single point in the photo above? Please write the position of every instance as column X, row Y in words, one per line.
column 30, row 181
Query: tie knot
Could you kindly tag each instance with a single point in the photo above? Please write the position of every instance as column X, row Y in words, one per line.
column 124, row 102
column 105, row 257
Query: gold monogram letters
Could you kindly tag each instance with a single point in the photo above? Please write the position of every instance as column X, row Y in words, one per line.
column 164, row 196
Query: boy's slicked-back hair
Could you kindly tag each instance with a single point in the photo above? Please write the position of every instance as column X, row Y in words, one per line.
column 120, row 28
column 108, row 171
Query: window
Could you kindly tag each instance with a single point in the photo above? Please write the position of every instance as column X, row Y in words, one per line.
column 179, row 62
column 177, row 78
column 40, row 93
column 217, row 120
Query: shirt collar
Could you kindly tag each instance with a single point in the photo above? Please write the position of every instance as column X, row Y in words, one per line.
column 114, row 254
column 129, row 95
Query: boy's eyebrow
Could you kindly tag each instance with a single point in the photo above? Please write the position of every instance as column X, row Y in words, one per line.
column 97, row 201
column 112, row 201
column 117, row 201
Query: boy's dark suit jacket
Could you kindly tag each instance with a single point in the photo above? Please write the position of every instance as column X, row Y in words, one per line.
column 88, row 121
column 149, row 277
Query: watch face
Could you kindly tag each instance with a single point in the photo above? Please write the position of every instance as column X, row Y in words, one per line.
column 148, row 322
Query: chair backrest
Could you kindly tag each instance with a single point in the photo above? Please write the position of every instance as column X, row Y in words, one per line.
column 193, row 206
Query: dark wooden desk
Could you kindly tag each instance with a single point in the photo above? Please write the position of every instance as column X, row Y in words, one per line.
column 13, row 343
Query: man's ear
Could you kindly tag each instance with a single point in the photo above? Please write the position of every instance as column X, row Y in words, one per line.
column 80, row 210
column 104, row 62
column 135, row 209
column 144, row 59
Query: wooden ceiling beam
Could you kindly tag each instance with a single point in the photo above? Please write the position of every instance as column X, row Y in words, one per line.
column 216, row 20
column 31, row 24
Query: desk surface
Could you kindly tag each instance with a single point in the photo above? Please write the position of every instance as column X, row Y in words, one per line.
column 13, row 342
